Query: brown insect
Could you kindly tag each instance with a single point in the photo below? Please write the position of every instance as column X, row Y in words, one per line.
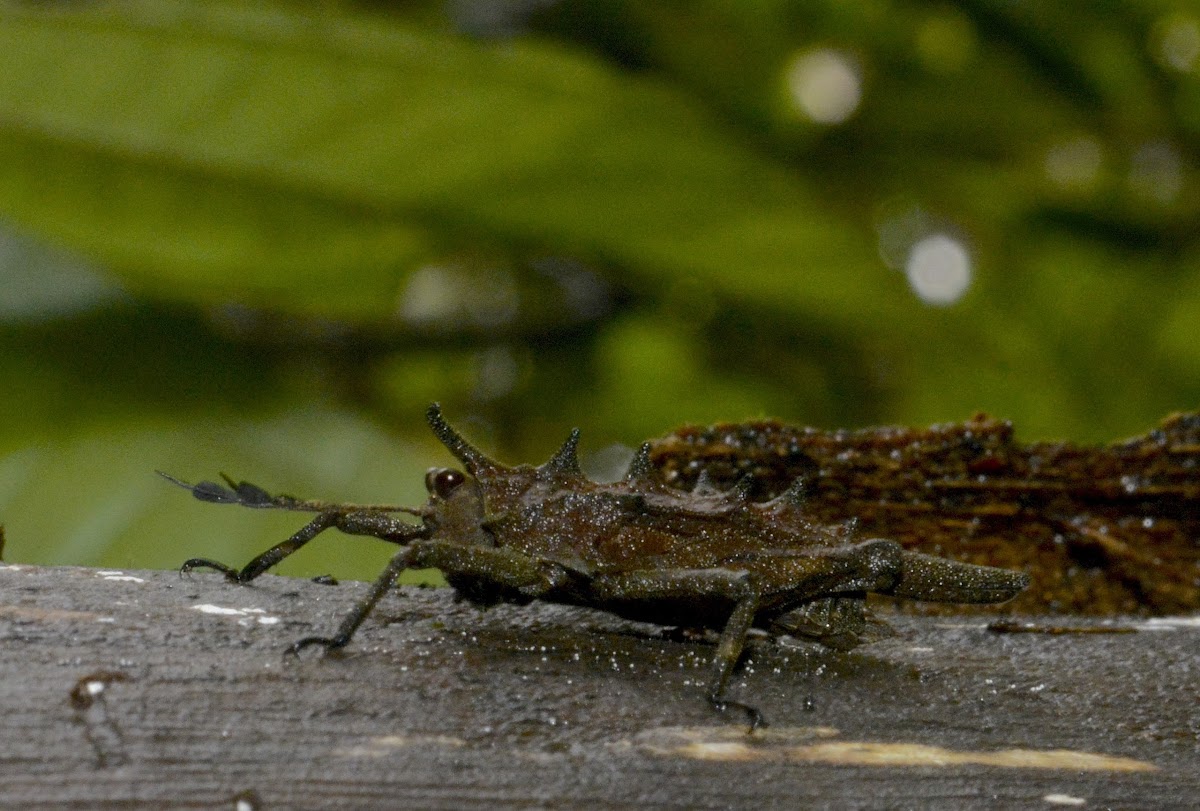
column 637, row 548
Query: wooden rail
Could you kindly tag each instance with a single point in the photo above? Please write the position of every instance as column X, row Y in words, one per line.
column 142, row 689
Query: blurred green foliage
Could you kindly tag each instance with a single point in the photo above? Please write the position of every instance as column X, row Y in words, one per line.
column 261, row 237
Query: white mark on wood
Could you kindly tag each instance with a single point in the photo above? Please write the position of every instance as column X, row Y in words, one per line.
column 1169, row 623
column 208, row 608
column 116, row 575
column 245, row 616
column 1064, row 799
column 10, row 567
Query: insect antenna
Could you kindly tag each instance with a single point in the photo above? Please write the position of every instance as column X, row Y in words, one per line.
column 251, row 495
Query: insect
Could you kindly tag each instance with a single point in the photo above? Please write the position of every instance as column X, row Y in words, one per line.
column 638, row 548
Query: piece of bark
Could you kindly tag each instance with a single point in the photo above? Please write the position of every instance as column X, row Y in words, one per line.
column 1100, row 530
column 145, row 690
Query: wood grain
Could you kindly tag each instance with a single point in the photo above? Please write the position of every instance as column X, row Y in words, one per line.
column 142, row 689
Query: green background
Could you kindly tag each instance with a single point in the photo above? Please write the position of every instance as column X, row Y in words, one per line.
column 260, row 238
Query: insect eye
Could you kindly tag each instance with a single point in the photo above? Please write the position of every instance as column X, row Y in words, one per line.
column 443, row 481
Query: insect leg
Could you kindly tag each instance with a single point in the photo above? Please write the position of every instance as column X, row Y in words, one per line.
column 399, row 562
column 267, row 559
column 729, row 650
column 501, row 566
column 872, row 565
column 532, row 577
column 698, row 586
column 884, row 567
column 378, row 525
column 924, row 577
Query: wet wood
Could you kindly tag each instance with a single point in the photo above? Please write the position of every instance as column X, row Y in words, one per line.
column 142, row 689
column 1100, row 530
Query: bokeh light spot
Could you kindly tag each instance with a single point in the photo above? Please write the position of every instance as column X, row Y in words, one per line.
column 430, row 296
column 1175, row 42
column 1156, row 172
column 1074, row 164
column 939, row 269
column 824, row 85
column 449, row 297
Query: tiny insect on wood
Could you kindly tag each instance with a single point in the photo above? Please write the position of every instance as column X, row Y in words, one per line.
column 638, row 548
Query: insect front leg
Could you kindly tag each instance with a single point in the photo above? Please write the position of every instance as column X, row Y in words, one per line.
column 503, row 567
column 699, row 586
column 375, row 524
column 532, row 577
column 401, row 561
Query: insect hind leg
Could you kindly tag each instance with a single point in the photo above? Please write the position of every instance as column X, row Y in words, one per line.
column 729, row 651
column 696, row 586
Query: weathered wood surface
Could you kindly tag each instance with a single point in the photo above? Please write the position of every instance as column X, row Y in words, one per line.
column 1100, row 530
column 437, row 705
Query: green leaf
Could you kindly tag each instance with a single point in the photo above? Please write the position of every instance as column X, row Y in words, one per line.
column 212, row 151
